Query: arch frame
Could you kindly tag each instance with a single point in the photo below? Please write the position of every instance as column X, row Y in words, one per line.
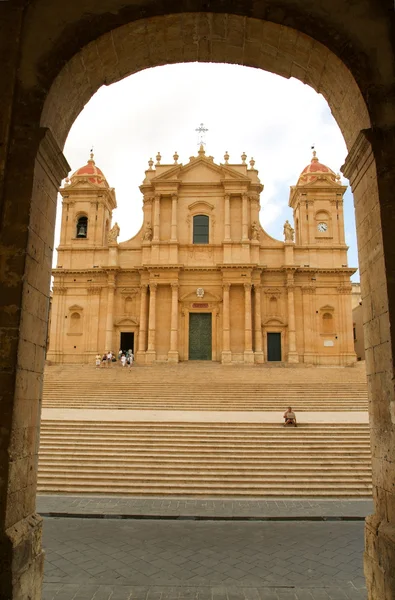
column 36, row 151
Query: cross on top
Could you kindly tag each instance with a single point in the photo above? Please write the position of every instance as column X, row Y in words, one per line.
column 201, row 131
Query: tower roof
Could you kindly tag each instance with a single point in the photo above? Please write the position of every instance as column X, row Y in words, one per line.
column 90, row 172
column 314, row 170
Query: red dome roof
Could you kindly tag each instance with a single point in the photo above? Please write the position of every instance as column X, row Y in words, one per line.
column 91, row 172
column 314, row 169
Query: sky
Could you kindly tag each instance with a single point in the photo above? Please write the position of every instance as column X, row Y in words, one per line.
column 274, row 120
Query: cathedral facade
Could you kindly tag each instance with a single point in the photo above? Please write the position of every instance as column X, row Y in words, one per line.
column 202, row 280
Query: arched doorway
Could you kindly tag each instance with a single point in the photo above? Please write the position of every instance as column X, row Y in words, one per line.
column 50, row 104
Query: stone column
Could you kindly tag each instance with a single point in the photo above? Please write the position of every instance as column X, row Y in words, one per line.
column 172, row 355
column 226, row 356
column 173, row 237
column 156, row 218
column 143, row 321
column 227, row 237
column 26, row 242
column 309, row 332
column 258, row 354
column 110, row 313
column 248, row 353
column 151, row 351
column 245, row 218
column 370, row 169
column 292, row 353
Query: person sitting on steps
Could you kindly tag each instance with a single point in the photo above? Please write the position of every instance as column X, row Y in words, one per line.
column 290, row 417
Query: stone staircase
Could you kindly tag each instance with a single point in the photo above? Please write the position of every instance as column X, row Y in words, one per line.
column 204, row 459
column 199, row 387
column 196, row 454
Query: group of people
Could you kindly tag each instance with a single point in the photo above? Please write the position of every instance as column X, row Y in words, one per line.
column 125, row 359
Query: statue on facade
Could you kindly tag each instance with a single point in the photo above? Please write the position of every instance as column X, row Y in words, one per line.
column 113, row 233
column 288, row 232
column 255, row 231
column 147, row 237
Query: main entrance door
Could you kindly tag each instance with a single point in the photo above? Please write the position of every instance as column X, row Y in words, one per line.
column 200, row 336
column 274, row 346
column 127, row 341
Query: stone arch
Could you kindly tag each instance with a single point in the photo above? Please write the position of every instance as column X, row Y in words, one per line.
column 167, row 39
column 261, row 44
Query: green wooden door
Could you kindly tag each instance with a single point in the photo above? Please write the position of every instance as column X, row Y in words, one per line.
column 200, row 336
column 274, row 346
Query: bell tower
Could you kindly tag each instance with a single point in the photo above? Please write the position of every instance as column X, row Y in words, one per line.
column 317, row 203
column 87, row 207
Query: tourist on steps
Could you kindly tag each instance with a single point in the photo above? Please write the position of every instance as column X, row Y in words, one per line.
column 109, row 358
column 98, row 361
column 289, row 417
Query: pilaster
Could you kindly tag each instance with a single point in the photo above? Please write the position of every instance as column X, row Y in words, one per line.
column 226, row 356
column 151, row 351
column 172, row 355
column 258, row 354
column 292, row 353
column 248, row 352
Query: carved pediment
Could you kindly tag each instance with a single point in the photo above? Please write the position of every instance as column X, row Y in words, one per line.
column 75, row 308
column 273, row 321
column 201, row 205
column 126, row 322
column 273, row 291
column 327, row 308
column 200, row 169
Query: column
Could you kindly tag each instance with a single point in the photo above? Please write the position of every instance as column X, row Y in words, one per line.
column 226, row 356
column 227, row 237
column 292, row 354
column 245, row 218
column 258, row 355
column 143, row 320
column 173, row 236
column 151, row 352
column 172, row 355
column 248, row 353
column 308, row 325
column 110, row 312
column 156, row 218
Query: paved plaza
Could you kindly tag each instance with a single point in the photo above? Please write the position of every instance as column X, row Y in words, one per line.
column 164, row 559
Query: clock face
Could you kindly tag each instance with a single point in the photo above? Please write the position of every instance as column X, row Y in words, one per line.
column 322, row 227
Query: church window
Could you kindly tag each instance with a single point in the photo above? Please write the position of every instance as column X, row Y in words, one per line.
column 327, row 323
column 82, row 227
column 200, row 229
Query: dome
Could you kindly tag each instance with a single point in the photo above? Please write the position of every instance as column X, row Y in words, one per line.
column 314, row 170
column 90, row 172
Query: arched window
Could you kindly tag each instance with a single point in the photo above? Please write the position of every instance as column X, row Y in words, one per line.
column 82, row 227
column 327, row 323
column 200, row 229
column 75, row 323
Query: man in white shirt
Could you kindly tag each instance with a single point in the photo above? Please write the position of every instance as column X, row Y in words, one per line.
column 290, row 417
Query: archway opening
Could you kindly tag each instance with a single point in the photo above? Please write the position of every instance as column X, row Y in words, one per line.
column 331, row 78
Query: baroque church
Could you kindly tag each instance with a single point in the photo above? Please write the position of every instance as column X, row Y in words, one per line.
column 202, row 280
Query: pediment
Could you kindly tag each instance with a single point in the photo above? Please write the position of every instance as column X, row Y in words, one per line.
column 75, row 308
column 200, row 170
column 273, row 321
column 327, row 308
column 126, row 321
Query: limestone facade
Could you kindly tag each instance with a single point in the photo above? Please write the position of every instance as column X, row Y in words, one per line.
column 202, row 279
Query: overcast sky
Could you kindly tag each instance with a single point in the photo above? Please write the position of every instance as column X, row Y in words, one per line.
column 272, row 119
